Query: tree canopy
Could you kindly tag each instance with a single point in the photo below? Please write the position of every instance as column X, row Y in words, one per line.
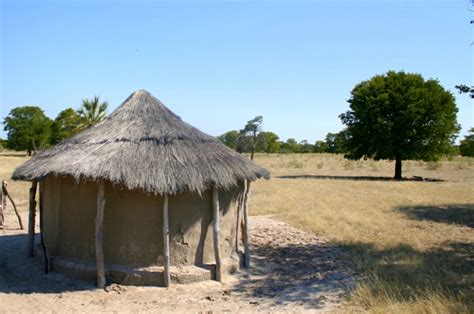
column 250, row 131
column 92, row 111
column 28, row 128
column 466, row 146
column 65, row 125
column 400, row 116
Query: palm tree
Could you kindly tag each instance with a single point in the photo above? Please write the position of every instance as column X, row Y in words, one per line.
column 91, row 112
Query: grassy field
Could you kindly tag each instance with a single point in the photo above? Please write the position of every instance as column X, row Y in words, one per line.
column 411, row 243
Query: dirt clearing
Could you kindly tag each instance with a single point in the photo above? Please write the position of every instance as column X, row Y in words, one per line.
column 292, row 271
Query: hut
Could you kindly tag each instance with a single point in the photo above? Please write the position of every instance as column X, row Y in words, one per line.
column 141, row 198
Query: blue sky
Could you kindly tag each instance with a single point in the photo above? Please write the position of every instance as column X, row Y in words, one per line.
column 218, row 64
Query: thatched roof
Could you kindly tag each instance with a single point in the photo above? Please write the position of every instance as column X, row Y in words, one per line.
column 143, row 145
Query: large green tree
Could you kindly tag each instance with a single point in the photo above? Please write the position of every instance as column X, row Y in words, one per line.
column 65, row 125
column 466, row 146
column 92, row 111
column 28, row 128
column 400, row 116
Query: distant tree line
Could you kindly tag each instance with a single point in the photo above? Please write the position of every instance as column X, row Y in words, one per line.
column 394, row 116
column 269, row 143
column 29, row 129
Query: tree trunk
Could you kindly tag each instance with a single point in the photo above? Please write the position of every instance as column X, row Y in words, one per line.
column 398, row 169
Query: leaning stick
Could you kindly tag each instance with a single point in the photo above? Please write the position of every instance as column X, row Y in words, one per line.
column 5, row 192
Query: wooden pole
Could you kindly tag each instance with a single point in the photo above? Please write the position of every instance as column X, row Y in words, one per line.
column 166, row 244
column 47, row 264
column 31, row 219
column 216, row 233
column 99, row 236
column 246, row 226
column 2, row 207
column 237, row 227
column 4, row 201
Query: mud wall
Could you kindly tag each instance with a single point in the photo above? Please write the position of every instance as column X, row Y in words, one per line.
column 133, row 224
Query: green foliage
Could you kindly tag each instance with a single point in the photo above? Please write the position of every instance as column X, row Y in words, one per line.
column 305, row 147
column 466, row 147
column 464, row 89
column 336, row 142
column 64, row 125
column 290, row 146
column 91, row 112
column 267, row 142
column 250, row 131
column 400, row 116
column 320, row 147
column 230, row 138
column 28, row 128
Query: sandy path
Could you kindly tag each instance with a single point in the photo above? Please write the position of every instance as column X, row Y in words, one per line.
column 292, row 271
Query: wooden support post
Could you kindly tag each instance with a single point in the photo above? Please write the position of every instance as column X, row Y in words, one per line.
column 166, row 244
column 99, row 236
column 47, row 264
column 2, row 207
column 216, row 233
column 4, row 202
column 237, row 227
column 31, row 219
column 246, row 226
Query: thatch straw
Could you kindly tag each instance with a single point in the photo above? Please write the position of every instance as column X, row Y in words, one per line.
column 143, row 145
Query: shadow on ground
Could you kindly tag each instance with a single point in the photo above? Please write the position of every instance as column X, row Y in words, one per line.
column 22, row 274
column 358, row 178
column 290, row 266
column 308, row 275
column 462, row 214
column 405, row 274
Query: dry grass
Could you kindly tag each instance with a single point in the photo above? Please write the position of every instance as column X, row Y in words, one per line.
column 411, row 242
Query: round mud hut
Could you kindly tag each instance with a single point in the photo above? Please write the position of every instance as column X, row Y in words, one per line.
column 141, row 198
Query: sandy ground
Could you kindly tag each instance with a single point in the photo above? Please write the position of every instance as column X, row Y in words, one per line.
column 292, row 271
